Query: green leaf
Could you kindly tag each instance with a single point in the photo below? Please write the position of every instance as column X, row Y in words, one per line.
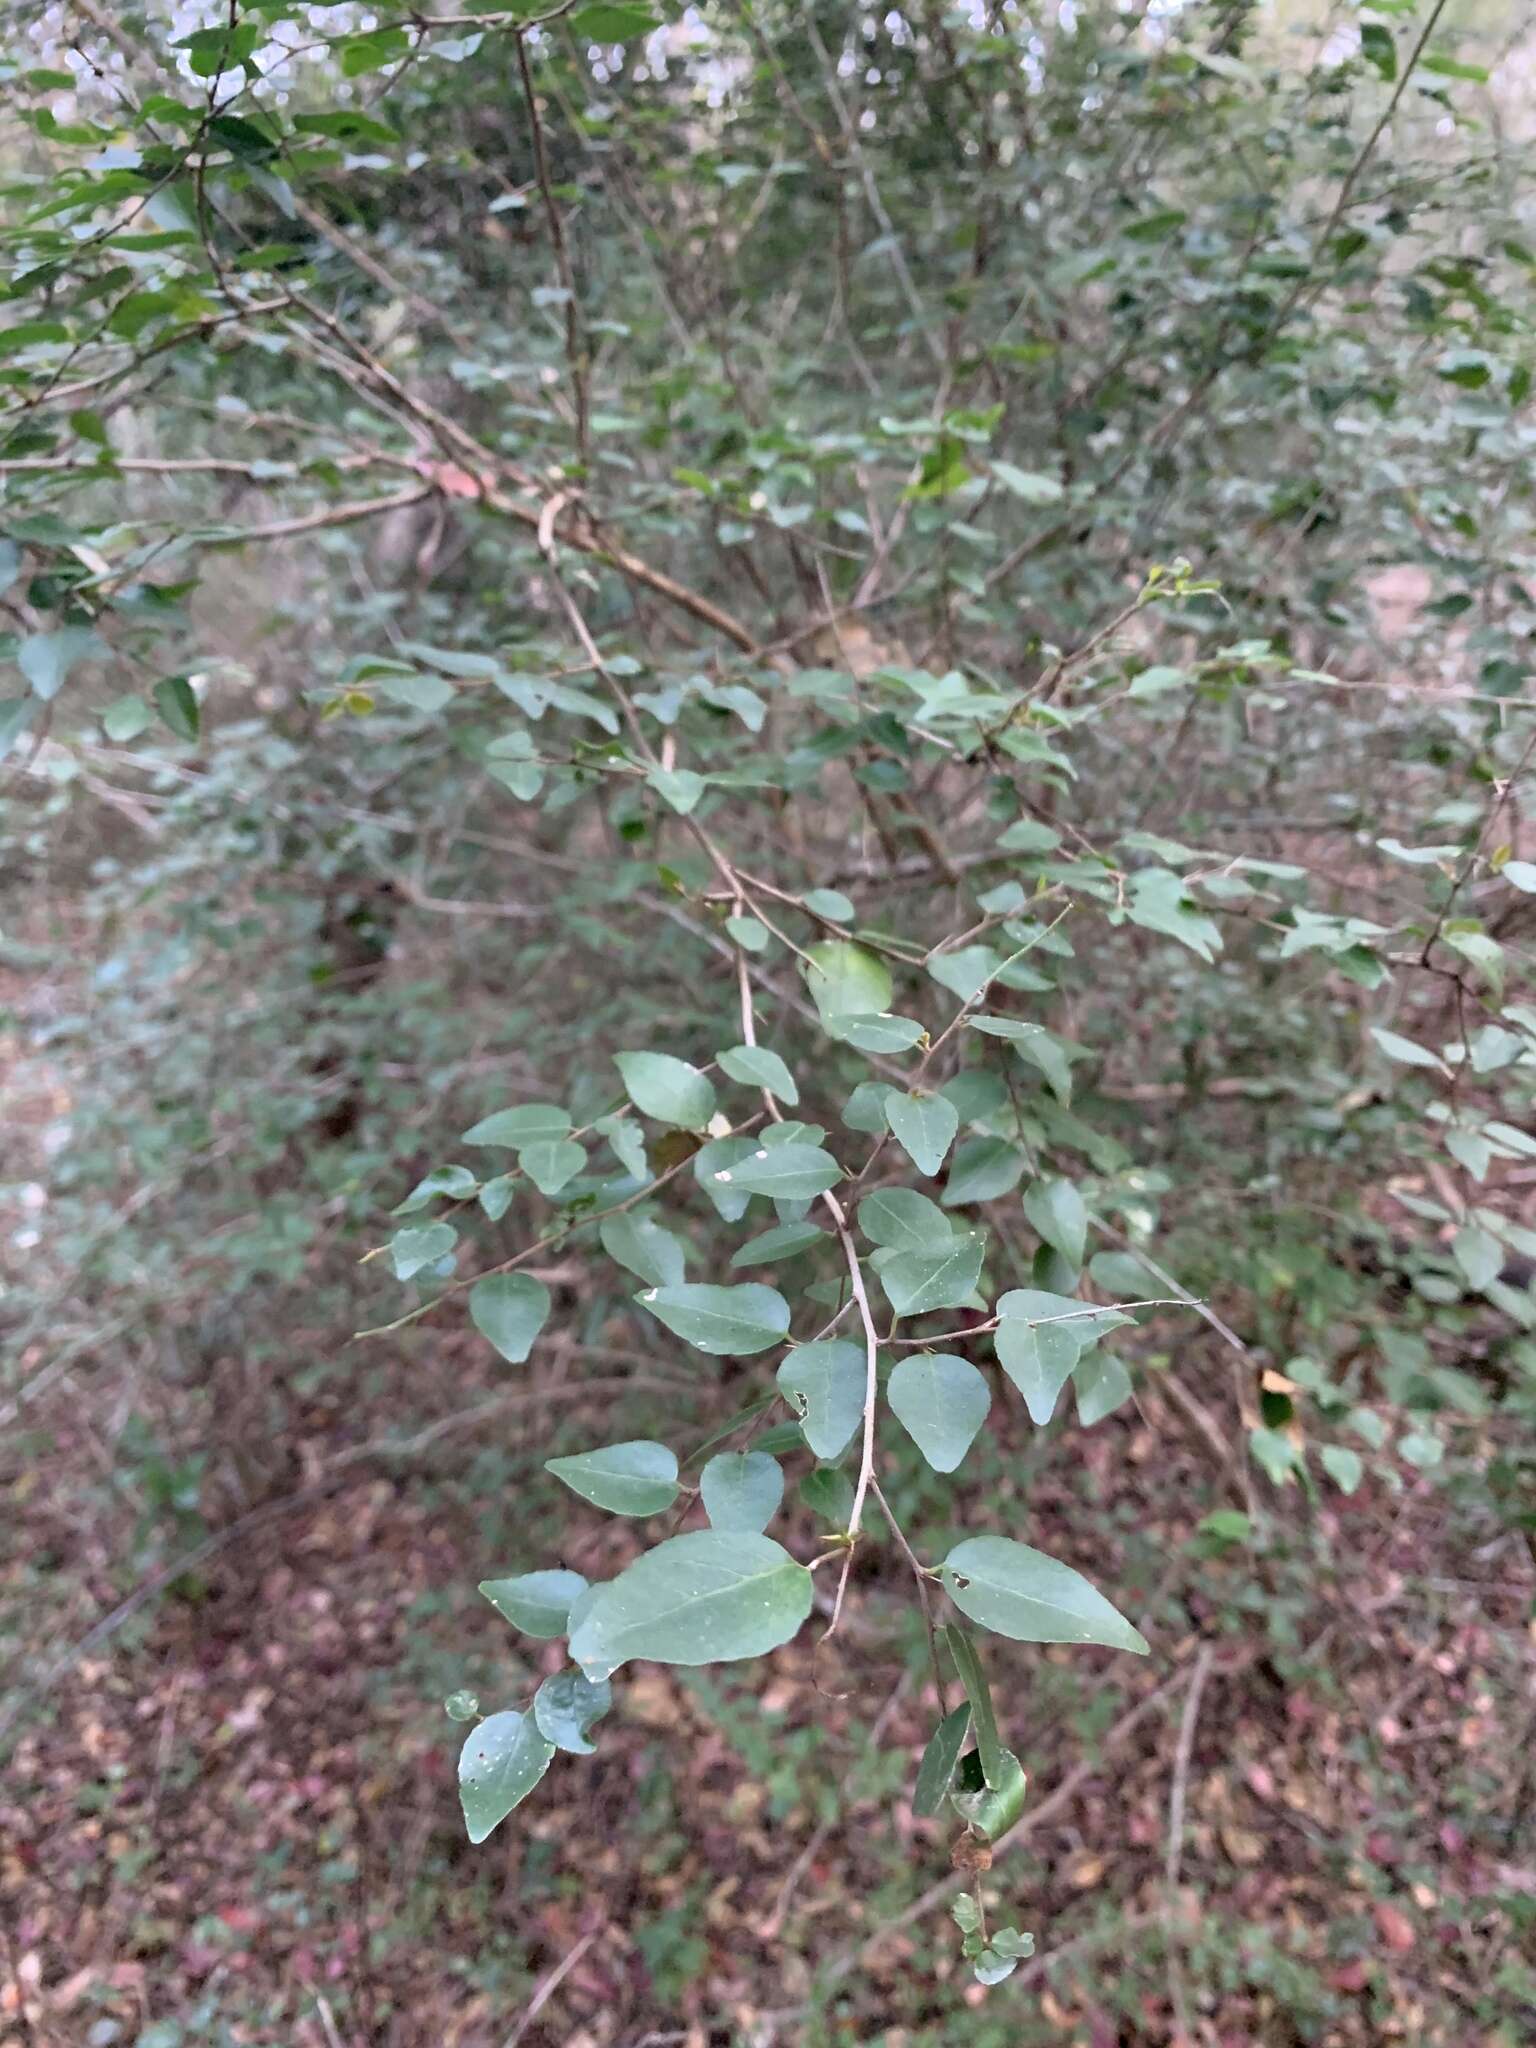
column 882, row 1034
column 1157, row 901
column 982, row 1170
column 915, row 1282
column 790, row 1173
column 635, row 1478
column 939, row 1759
column 532, row 1123
column 756, row 1067
column 1479, row 1255
column 831, row 903
column 846, row 981
column 501, row 1762
column 1279, row 1457
column 741, row 1490
column 667, row 1089
column 679, row 788
column 941, row 1401
column 709, row 1597
column 643, row 1248
column 176, row 703
column 509, row 1310
column 1343, row 1466
column 615, row 24
column 1029, row 485
column 1378, row 48
column 421, row 1245
column 1101, row 1384
column 924, row 1126
column 125, row 720
column 451, row 1181
column 729, row 1322
column 905, row 1220
column 827, row 1492
column 989, row 1748
column 551, row 1166
column 1039, row 1361
column 1056, row 1210
column 1032, row 1042
column 1015, row 1591
column 751, row 936
column 565, row 1707
column 1405, row 1051
column 824, row 1383
column 786, row 1241
column 990, row 1809
column 967, row 971
column 538, row 1603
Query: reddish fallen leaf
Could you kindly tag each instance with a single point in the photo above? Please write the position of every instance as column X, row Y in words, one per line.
column 1395, row 1928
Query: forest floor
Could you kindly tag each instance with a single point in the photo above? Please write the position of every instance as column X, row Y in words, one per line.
column 232, row 1816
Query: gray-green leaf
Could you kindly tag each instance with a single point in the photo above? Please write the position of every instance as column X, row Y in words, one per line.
column 565, row 1707
column 756, row 1067
column 509, row 1310
column 741, row 1490
column 643, row 1248
column 666, row 1088
column 708, row 1597
column 531, row 1123
column 1056, row 1210
column 635, row 1478
column 916, row 1282
column 1015, row 1591
column 941, row 1401
column 538, row 1603
column 420, row 1246
column 825, row 1385
column 501, row 1762
column 924, row 1126
column 729, row 1322
column 790, row 1173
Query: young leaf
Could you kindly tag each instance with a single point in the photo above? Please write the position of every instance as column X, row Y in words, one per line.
column 756, row 1067
column 1015, row 1591
column 667, row 1089
column 825, row 1383
column 939, row 1759
column 537, row 1602
column 728, row 1322
column 509, row 1310
column 941, row 1401
column 741, row 1490
column 565, row 1707
column 916, row 1282
column 790, row 1173
column 635, row 1478
column 708, row 1597
column 924, row 1126
column 501, row 1762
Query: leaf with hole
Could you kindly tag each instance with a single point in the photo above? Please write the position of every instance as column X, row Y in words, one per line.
column 634, row 1478
column 566, row 1705
column 709, row 1597
column 825, row 1384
